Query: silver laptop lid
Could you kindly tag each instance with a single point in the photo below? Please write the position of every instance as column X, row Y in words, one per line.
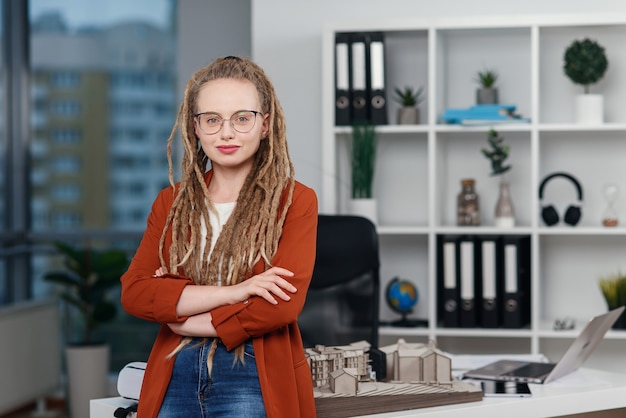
column 584, row 344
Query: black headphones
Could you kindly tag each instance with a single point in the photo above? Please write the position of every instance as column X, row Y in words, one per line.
column 572, row 214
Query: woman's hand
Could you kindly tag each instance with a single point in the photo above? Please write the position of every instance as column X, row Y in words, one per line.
column 268, row 284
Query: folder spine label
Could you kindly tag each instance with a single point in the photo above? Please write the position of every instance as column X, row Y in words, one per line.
column 342, row 80
column 510, row 269
column 448, row 267
column 467, row 280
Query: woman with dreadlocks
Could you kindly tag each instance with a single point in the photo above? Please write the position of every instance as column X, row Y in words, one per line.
column 226, row 259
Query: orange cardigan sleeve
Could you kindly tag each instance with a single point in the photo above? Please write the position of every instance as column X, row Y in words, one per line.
column 296, row 252
column 144, row 296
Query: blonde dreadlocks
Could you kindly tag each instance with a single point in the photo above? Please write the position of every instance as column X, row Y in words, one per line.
column 253, row 230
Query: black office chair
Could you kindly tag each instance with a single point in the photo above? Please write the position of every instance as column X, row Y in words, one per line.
column 342, row 304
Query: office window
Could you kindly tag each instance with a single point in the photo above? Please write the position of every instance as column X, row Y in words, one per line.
column 136, row 188
column 65, row 79
column 65, row 109
column 98, row 68
column 65, row 136
column 66, row 220
column 66, row 193
column 136, row 134
column 126, row 108
column 65, row 165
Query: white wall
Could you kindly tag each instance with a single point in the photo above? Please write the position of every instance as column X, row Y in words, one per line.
column 208, row 30
column 287, row 37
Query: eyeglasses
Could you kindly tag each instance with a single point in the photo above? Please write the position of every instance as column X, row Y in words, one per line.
column 242, row 121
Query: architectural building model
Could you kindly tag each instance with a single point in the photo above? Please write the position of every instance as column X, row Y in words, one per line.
column 417, row 376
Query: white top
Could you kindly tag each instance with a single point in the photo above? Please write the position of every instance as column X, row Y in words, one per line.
column 217, row 221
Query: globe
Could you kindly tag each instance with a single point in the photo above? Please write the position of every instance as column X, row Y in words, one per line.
column 402, row 296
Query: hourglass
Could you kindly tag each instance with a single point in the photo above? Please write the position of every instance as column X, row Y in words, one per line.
column 610, row 195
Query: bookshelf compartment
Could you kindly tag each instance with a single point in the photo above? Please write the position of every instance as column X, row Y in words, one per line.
column 459, row 156
column 461, row 53
column 557, row 92
column 569, row 274
column 405, row 257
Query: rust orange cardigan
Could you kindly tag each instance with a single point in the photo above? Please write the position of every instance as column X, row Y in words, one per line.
column 284, row 374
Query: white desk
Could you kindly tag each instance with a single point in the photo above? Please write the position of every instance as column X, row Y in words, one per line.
column 586, row 390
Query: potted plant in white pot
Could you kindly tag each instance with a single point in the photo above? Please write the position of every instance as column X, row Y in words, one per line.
column 497, row 155
column 363, row 146
column 585, row 63
column 87, row 281
column 409, row 99
column 487, row 93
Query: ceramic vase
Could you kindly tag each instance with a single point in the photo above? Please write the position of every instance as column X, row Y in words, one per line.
column 505, row 214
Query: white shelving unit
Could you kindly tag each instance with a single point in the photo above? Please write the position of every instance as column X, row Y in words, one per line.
column 419, row 167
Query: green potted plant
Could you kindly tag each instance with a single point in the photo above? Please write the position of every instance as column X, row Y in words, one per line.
column 613, row 287
column 87, row 278
column 497, row 154
column 408, row 98
column 86, row 281
column 363, row 146
column 487, row 93
column 585, row 63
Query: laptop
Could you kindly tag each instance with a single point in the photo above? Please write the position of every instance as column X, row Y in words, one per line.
column 536, row 372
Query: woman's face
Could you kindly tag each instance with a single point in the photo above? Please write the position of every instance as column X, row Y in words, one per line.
column 233, row 145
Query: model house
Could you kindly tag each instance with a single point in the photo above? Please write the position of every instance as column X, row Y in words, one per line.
column 406, row 363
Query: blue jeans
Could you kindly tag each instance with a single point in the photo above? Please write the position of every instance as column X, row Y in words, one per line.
column 232, row 390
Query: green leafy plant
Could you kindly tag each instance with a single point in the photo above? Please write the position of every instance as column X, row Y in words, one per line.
column 408, row 97
column 613, row 289
column 363, row 155
column 585, row 62
column 497, row 154
column 486, row 78
column 88, row 276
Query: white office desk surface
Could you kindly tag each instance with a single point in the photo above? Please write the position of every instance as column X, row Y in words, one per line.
column 586, row 390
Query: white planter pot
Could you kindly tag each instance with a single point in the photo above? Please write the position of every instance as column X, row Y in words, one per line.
column 367, row 208
column 87, row 376
column 589, row 109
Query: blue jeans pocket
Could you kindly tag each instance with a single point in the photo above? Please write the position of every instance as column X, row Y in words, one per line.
column 248, row 350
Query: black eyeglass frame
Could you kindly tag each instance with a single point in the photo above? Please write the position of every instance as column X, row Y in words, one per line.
column 254, row 112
